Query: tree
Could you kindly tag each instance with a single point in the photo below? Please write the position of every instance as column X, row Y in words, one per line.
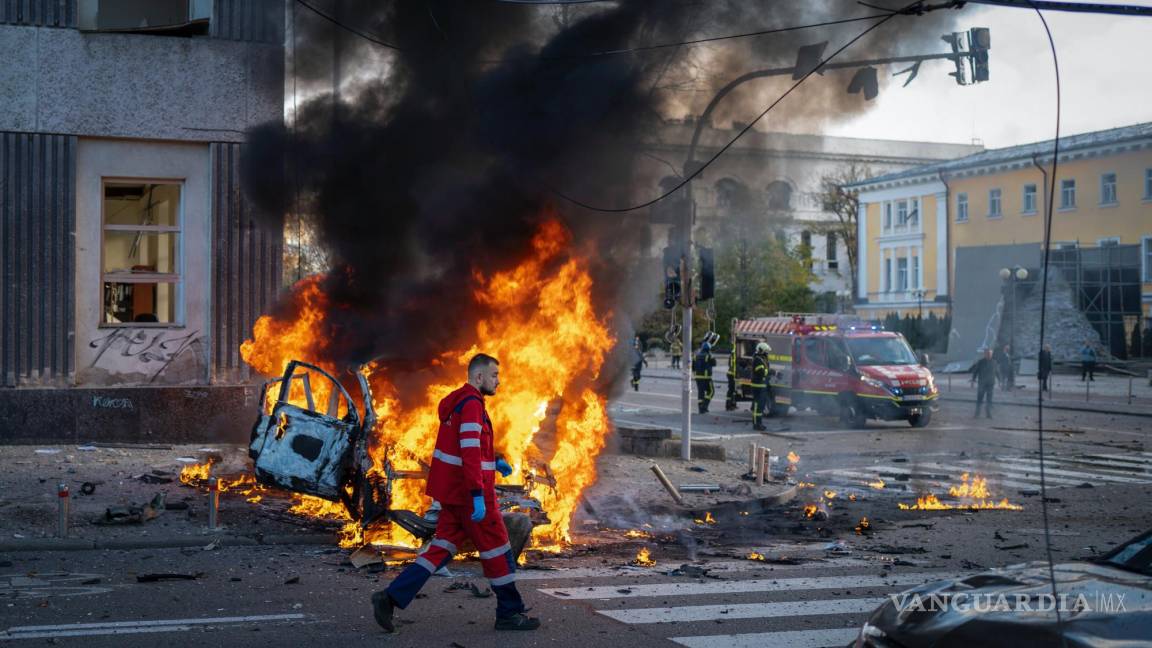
column 844, row 205
column 758, row 278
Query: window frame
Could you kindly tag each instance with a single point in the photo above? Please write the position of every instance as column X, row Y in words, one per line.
column 887, row 216
column 901, row 223
column 902, row 281
column 1146, row 259
column 962, row 207
column 175, row 278
column 1066, row 205
column 914, row 214
column 996, row 197
column 1108, row 241
column 1024, row 209
column 1148, row 184
column 1115, row 192
column 888, row 274
column 830, row 255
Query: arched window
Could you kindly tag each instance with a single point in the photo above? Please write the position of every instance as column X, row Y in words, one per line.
column 731, row 194
column 779, row 195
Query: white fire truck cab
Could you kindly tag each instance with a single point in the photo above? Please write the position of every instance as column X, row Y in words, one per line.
column 837, row 365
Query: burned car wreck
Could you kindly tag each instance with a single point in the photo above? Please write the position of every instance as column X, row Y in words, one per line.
column 322, row 450
column 1105, row 602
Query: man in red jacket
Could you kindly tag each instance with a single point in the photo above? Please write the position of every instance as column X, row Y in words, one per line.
column 462, row 478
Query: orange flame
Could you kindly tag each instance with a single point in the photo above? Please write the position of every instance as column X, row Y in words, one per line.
column 541, row 323
column 643, row 558
column 810, row 510
column 974, row 495
column 878, row 484
column 708, row 519
column 864, row 526
column 757, row 556
column 637, row 533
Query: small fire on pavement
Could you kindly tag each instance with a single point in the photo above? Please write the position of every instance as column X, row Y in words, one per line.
column 973, row 495
column 810, row 510
column 636, row 533
column 878, row 484
column 830, row 494
column 793, row 460
column 643, row 559
column 864, row 527
column 755, row 555
column 197, row 475
column 708, row 519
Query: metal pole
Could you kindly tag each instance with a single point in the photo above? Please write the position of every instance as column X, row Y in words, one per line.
column 687, row 299
column 753, row 451
column 62, row 521
column 213, row 502
column 667, row 484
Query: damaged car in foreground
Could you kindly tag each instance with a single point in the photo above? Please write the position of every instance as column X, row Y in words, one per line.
column 1105, row 602
column 321, row 449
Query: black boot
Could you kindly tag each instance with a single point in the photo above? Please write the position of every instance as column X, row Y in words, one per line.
column 382, row 608
column 518, row 621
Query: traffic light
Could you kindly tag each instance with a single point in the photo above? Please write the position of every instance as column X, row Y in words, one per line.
column 953, row 40
column 671, row 276
column 707, row 274
column 865, row 81
column 979, row 42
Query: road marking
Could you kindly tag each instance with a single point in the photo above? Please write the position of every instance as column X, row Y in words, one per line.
column 133, row 627
column 992, row 471
column 1117, row 467
column 1083, row 476
column 742, row 586
column 50, row 584
column 793, row 639
column 639, row 424
column 692, row 613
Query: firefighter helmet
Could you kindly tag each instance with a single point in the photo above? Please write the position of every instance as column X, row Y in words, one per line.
column 763, row 348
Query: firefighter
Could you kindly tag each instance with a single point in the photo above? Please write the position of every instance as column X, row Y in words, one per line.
column 638, row 362
column 760, row 386
column 702, row 371
column 676, row 349
column 730, row 397
column 462, row 478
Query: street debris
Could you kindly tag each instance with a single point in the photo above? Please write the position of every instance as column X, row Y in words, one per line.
column 156, row 578
column 295, row 580
column 87, row 488
column 667, row 484
column 973, row 493
column 133, row 514
column 47, row 451
column 156, row 477
column 364, row 556
column 707, row 519
column 699, row 488
column 864, row 527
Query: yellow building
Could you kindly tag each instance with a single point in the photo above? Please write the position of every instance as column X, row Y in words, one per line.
column 924, row 232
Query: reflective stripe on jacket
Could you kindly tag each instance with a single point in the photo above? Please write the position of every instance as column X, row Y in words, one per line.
column 464, row 461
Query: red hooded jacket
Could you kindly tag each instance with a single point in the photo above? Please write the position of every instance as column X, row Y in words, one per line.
column 464, row 462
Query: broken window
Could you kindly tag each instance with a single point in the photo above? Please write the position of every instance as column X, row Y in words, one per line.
column 168, row 17
column 141, row 253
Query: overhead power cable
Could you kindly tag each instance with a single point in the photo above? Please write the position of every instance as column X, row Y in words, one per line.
column 1043, row 323
column 700, row 169
column 623, row 50
column 366, row 36
column 1078, row 7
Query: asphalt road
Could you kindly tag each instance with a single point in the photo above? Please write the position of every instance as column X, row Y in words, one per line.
column 243, row 596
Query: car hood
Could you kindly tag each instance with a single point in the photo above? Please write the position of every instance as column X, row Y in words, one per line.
column 905, row 376
column 1100, row 605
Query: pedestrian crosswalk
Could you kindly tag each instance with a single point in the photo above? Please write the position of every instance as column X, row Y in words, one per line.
column 1019, row 472
column 793, row 607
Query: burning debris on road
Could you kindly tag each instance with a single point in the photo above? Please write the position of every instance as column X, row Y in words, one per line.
column 973, row 495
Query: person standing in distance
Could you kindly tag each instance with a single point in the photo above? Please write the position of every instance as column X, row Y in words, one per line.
column 462, row 478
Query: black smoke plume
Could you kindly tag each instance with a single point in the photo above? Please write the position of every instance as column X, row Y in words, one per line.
column 436, row 160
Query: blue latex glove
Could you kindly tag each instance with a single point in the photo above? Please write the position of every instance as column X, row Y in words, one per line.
column 478, row 508
column 503, row 467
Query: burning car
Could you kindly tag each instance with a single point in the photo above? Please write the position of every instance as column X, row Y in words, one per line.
column 314, row 440
column 1104, row 602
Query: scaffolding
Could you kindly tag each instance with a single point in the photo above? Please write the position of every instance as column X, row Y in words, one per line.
column 1106, row 285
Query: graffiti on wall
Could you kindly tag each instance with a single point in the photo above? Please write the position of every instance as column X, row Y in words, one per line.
column 154, row 350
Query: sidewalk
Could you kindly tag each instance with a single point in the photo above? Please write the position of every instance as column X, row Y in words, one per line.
column 1108, row 394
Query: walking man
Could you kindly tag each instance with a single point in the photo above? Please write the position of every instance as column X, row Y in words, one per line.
column 760, row 373
column 702, row 371
column 1088, row 361
column 1044, row 368
column 462, row 478
column 676, row 349
column 984, row 376
column 638, row 362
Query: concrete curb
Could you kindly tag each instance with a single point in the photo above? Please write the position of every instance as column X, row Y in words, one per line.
column 78, row 544
column 1047, row 405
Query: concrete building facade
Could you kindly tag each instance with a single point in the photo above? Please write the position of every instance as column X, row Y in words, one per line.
column 985, row 213
column 782, row 174
column 133, row 266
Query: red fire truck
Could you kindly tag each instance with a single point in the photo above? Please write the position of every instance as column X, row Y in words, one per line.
column 837, row 365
